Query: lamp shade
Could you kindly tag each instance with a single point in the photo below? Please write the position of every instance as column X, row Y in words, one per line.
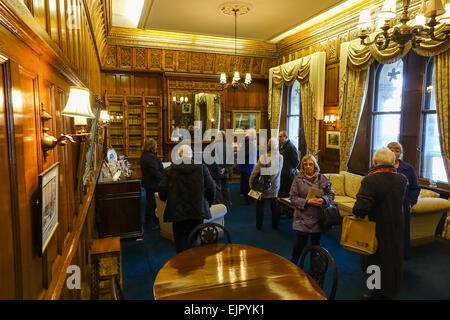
column 389, row 10
column 79, row 104
column 446, row 17
column 435, row 8
column 364, row 19
column 104, row 116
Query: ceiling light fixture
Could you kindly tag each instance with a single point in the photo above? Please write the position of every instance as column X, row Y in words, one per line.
column 416, row 32
column 235, row 9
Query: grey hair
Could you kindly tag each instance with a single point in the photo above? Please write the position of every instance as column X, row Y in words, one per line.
column 185, row 151
column 383, row 156
column 396, row 144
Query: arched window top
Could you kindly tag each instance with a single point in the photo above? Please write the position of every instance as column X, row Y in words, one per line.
column 389, row 87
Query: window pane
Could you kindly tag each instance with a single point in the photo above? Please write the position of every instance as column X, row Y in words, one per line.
column 389, row 87
column 293, row 129
column 430, row 94
column 432, row 162
column 386, row 128
column 294, row 102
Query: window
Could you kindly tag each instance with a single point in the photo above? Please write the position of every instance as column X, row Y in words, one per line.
column 431, row 162
column 293, row 114
column 386, row 113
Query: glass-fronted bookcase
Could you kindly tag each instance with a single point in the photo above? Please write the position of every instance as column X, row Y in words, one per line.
column 133, row 120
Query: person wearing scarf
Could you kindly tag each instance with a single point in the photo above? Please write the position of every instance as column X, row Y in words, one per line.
column 380, row 197
column 305, row 220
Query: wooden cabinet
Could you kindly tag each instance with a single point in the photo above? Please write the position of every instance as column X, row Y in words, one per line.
column 133, row 121
column 117, row 207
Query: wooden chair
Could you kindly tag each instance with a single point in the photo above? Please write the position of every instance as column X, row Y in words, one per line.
column 116, row 289
column 319, row 259
column 208, row 233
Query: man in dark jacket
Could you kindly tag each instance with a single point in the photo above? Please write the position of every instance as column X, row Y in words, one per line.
column 381, row 198
column 220, row 169
column 290, row 164
column 189, row 191
column 152, row 173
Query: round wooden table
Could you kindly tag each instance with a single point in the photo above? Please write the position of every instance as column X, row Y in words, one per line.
column 233, row 272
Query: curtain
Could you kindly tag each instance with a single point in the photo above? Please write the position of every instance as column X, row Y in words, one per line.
column 442, row 82
column 352, row 88
column 310, row 72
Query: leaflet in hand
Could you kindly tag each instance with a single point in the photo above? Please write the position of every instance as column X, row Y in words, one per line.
column 314, row 193
column 255, row 194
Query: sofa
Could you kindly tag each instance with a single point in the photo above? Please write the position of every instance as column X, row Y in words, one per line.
column 218, row 212
column 425, row 214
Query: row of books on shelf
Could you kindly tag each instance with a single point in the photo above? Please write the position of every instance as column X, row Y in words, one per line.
column 117, row 140
column 134, row 120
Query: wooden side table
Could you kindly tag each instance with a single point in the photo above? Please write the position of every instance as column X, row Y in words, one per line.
column 106, row 261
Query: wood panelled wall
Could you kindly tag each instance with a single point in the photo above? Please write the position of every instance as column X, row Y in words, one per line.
column 153, row 84
column 34, row 73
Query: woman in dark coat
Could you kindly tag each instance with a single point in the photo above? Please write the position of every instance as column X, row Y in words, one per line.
column 189, row 191
column 381, row 199
column 248, row 149
column 152, row 173
column 412, row 191
column 306, row 214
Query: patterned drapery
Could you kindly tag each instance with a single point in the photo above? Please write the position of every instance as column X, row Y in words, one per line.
column 355, row 59
column 310, row 72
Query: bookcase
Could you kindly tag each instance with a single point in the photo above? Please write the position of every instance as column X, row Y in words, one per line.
column 133, row 120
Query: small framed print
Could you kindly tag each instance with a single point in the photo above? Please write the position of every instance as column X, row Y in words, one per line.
column 186, row 108
column 333, row 139
column 244, row 120
column 48, row 204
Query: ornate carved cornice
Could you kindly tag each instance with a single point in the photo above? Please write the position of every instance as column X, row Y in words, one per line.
column 134, row 37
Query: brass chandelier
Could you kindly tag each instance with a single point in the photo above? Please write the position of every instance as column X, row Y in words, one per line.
column 416, row 32
column 229, row 9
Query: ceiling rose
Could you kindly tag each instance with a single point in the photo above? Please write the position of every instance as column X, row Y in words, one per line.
column 240, row 8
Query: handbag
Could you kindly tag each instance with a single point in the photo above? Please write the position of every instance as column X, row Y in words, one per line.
column 329, row 216
column 262, row 183
column 358, row 235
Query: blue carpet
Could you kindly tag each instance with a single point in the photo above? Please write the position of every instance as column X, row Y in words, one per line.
column 426, row 273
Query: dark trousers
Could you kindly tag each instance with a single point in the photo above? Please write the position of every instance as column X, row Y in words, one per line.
column 223, row 195
column 181, row 231
column 300, row 244
column 245, row 187
column 150, row 216
column 274, row 207
column 407, row 241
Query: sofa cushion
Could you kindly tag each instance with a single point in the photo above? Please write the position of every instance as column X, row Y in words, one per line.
column 427, row 205
column 424, row 193
column 337, row 183
column 352, row 183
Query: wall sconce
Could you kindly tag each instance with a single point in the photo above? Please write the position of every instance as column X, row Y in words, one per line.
column 104, row 117
column 78, row 106
column 330, row 120
column 180, row 101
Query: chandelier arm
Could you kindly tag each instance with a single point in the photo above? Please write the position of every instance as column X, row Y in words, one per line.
column 369, row 43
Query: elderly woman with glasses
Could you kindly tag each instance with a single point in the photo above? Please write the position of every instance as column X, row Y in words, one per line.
column 306, row 214
column 412, row 190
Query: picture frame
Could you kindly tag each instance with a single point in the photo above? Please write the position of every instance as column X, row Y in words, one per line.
column 245, row 120
column 186, row 108
column 333, row 139
column 48, row 205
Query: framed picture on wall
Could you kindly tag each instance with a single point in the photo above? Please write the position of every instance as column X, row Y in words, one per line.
column 244, row 120
column 48, row 204
column 186, row 108
column 333, row 139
